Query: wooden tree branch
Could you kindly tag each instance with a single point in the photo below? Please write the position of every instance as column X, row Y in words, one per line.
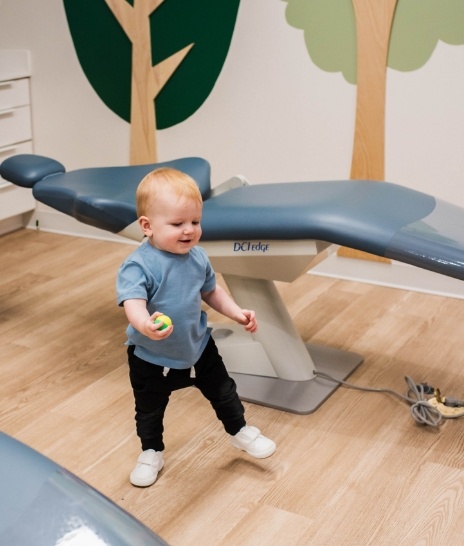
column 124, row 14
column 165, row 69
column 152, row 5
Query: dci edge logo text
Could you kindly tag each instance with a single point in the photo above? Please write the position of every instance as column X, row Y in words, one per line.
column 248, row 246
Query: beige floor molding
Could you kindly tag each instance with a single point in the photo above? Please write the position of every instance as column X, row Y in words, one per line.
column 394, row 275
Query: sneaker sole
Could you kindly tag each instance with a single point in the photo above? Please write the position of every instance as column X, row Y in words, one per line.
column 263, row 455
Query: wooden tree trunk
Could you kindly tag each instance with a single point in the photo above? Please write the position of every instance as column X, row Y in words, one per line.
column 147, row 82
column 143, row 146
column 373, row 27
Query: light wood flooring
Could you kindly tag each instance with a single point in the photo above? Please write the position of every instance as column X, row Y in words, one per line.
column 357, row 471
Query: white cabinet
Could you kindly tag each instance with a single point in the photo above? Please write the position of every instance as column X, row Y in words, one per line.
column 15, row 133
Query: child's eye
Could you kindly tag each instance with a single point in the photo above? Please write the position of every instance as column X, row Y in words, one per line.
column 178, row 224
column 196, row 223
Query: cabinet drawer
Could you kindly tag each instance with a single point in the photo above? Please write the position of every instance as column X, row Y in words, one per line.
column 8, row 151
column 14, row 201
column 15, row 125
column 14, row 93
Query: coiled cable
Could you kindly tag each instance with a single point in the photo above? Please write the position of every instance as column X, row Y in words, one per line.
column 421, row 411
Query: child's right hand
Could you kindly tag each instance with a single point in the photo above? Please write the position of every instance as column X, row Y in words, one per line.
column 153, row 331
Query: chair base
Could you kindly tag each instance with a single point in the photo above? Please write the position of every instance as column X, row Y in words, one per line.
column 302, row 397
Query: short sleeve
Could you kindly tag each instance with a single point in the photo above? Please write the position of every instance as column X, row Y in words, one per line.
column 210, row 276
column 131, row 283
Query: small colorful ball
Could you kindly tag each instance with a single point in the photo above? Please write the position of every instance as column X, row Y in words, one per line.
column 165, row 320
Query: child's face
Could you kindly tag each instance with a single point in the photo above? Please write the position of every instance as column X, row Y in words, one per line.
column 173, row 223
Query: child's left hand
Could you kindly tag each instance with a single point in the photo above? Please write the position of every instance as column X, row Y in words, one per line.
column 250, row 323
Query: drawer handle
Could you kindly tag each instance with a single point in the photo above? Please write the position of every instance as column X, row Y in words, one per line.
column 6, row 112
column 5, row 84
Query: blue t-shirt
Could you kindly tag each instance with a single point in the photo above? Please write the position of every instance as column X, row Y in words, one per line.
column 171, row 284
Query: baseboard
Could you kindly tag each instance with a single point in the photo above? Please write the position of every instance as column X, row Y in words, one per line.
column 55, row 222
column 394, row 275
column 14, row 223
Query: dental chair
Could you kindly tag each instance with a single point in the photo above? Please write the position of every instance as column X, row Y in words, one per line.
column 43, row 504
column 255, row 235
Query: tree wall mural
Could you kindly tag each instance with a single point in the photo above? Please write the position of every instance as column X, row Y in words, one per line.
column 360, row 39
column 152, row 62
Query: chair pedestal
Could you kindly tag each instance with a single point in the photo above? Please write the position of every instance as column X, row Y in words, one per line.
column 274, row 367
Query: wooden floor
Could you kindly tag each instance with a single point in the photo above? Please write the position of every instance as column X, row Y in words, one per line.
column 357, row 471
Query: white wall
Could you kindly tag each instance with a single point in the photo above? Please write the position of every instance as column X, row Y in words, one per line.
column 425, row 126
column 272, row 116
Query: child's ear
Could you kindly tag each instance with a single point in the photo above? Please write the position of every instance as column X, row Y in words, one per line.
column 145, row 226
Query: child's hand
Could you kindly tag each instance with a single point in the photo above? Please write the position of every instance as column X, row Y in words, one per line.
column 249, row 320
column 153, row 331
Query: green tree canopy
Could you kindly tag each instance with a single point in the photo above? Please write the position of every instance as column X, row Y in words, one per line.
column 330, row 32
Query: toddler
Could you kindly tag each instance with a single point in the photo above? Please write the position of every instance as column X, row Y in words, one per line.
column 168, row 273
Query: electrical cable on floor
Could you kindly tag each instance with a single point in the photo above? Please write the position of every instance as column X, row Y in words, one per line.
column 421, row 411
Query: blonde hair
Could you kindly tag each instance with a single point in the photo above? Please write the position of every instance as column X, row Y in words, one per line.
column 158, row 180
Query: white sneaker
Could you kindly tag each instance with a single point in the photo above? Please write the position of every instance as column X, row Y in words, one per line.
column 149, row 463
column 251, row 440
